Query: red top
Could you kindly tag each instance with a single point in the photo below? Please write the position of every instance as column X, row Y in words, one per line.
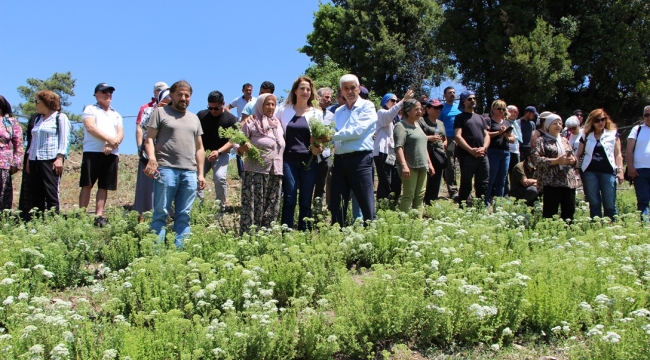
column 147, row 105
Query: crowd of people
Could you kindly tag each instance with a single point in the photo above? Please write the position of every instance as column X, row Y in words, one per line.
column 412, row 145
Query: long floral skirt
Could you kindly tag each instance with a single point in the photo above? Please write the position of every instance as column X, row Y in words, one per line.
column 260, row 199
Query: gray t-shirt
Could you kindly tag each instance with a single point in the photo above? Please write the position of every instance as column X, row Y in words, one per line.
column 412, row 139
column 177, row 132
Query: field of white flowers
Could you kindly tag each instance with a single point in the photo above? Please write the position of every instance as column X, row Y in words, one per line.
column 457, row 279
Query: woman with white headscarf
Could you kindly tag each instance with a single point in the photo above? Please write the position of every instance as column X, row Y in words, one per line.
column 554, row 158
column 262, row 182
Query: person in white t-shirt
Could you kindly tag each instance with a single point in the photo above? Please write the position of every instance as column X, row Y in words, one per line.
column 240, row 102
column 638, row 162
column 103, row 133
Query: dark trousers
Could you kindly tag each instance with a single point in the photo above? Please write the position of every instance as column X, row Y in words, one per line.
column 352, row 171
column 529, row 194
column 555, row 197
column 388, row 180
column 433, row 187
column 321, row 180
column 44, row 185
column 240, row 166
column 477, row 169
column 514, row 160
column 450, row 171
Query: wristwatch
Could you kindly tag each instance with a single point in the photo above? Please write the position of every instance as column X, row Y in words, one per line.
column 218, row 152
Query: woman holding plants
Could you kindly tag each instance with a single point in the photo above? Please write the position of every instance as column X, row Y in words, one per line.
column 498, row 153
column 11, row 153
column 300, row 156
column 411, row 151
column 262, row 181
column 602, row 165
column 434, row 129
column 554, row 158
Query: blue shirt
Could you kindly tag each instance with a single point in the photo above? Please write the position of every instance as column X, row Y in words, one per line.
column 354, row 127
column 448, row 116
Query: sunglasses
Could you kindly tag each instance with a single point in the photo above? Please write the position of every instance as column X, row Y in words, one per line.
column 646, row 115
column 571, row 128
column 498, row 108
column 107, row 92
column 579, row 115
column 604, row 118
column 393, row 100
column 215, row 108
column 471, row 99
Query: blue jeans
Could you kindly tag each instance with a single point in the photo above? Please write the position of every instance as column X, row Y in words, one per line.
column 642, row 189
column 499, row 161
column 296, row 176
column 179, row 186
column 600, row 188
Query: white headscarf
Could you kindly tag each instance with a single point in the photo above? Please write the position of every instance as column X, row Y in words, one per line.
column 560, row 148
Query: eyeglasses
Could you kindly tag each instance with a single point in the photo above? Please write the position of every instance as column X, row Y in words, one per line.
column 579, row 115
column 107, row 92
column 393, row 100
column 215, row 108
column 604, row 118
column 571, row 128
column 498, row 108
column 646, row 115
column 471, row 99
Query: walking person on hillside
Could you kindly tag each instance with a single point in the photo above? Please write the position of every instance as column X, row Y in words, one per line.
column 448, row 116
column 602, row 166
column 301, row 154
column 212, row 119
column 103, row 133
column 388, row 179
column 175, row 161
column 355, row 123
column 262, row 183
column 143, row 184
column 412, row 156
column 471, row 134
column 11, row 152
column 554, row 158
column 638, row 162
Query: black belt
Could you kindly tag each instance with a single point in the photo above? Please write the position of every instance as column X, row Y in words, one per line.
column 351, row 154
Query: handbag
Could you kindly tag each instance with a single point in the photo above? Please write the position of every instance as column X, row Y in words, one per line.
column 627, row 177
column 439, row 159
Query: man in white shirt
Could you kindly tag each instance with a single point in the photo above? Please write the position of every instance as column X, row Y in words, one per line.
column 638, row 162
column 103, row 133
column 355, row 123
column 240, row 102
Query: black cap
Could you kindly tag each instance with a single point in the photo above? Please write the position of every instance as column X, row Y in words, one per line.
column 103, row 87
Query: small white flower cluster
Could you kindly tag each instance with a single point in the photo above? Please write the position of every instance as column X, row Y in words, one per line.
column 469, row 289
column 482, row 312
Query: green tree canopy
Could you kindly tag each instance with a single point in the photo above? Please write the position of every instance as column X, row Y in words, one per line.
column 560, row 55
column 388, row 44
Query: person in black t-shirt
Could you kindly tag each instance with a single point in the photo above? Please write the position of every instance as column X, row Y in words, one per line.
column 500, row 132
column 213, row 118
column 472, row 139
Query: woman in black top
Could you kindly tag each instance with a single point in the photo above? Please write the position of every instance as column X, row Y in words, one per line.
column 436, row 145
column 498, row 153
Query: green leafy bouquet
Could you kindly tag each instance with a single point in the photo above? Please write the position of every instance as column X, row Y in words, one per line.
column 236, row 136
column 320, row 132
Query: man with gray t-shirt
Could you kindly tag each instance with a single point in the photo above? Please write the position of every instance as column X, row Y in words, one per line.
column 175, row 161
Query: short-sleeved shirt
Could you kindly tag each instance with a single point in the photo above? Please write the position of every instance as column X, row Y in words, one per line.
column 249, row 109
column 240, row 103
column 499, row 142
column 642, row 150
column 176, row 139
column 473, row 127
column 211, row 125
column 107, row 122
column 448, row 117
column 413, row 141
column 518, row 174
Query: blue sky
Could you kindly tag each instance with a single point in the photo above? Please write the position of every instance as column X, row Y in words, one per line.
column 215, row 45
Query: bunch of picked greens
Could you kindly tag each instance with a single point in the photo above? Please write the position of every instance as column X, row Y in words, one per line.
column 320, row 132
column 236, row 136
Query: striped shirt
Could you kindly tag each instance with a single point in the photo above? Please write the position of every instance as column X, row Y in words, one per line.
column 46, row 144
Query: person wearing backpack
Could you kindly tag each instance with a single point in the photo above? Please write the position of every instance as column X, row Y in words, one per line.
column 638, row 162
column 47, row 148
